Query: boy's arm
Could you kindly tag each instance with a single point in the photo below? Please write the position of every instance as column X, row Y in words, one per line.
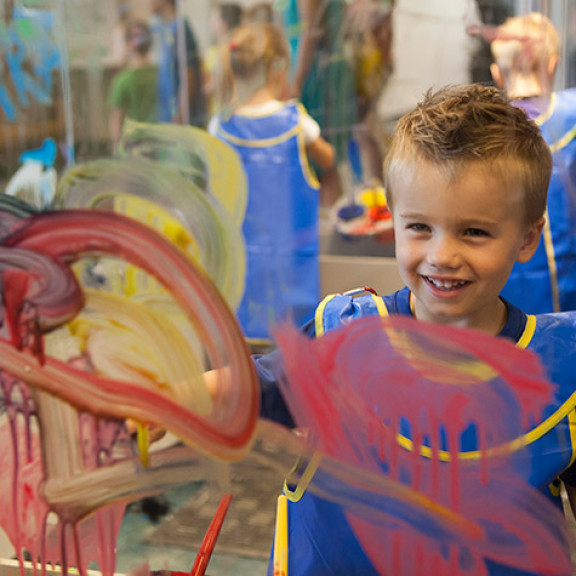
column 270, row 370
column 272, row 404
column 319, row 150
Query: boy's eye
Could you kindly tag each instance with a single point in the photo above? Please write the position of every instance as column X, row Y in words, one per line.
column 476, row 232
column 418, row 227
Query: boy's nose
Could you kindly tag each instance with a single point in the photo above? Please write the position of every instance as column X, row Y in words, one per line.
column 443, row 252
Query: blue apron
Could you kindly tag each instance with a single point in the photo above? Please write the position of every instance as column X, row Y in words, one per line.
column 321, row 539
column 547, row 283
column 281, row 223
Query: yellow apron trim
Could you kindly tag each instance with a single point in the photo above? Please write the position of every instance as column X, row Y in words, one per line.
column 564, row 141
column 567, row 138
column 319, row 315
column 546, row 114
column 528, row 333
column 511, row 446
column 572, row 427
column 554, row 489
column 264, row 143
column 552, row 268
column 296, row 494
column 547, row 233
column 540, row 120
column 381, row 306
column 309, row 174
column 517, row 443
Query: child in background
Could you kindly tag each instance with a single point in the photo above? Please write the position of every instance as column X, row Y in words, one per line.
column 466, row 177
column 368, row 38
column 134, row 91
column 322, row 78
column 224, row 18
column 274, row 140
column 526, row 50
column 181, row 97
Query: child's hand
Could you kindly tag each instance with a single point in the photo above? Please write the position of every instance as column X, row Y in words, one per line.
column 155, row 433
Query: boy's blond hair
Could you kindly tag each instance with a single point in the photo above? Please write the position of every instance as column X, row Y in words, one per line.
column 458, row 126
column 524, row 44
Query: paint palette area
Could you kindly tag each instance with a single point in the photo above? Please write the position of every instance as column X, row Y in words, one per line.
column 364, row 214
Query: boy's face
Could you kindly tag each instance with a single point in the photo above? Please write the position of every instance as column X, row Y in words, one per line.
column 456, row 243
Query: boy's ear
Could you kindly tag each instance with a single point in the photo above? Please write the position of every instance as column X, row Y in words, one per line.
column 497, row 75
column 531, row 240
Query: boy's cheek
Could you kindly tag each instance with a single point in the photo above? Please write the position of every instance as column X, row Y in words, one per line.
column 405, row 251
column 402, row 257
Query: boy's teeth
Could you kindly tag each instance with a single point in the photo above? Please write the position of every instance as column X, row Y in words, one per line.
column 447, row 284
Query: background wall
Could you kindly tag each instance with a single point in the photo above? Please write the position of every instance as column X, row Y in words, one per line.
column 431, row 48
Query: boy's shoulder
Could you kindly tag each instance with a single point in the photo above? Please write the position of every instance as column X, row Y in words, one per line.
column 553, row 339
column 533, row 331
column 558, row 324
column 340, row 309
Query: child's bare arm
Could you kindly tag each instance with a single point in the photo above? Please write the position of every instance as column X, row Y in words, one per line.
column 321, row 153
column 155, row 433
column 211, row 378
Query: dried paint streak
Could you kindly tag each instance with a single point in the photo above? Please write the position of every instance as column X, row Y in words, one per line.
column 65, row 237
column 65, row 495
column 24, row 514
column 162, row 198
column 422, row 427
column 202, row 159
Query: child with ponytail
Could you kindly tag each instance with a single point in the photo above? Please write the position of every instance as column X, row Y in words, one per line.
column 274, row 139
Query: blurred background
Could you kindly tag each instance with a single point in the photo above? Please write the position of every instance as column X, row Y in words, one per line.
column 59, row 59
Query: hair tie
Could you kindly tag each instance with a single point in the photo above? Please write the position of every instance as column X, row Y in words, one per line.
column 233, row 46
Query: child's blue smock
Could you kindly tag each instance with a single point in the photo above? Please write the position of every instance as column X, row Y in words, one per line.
column 547, row 282
column 321, row 540
column 281, row 223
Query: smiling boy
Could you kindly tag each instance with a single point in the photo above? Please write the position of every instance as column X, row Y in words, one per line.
column 468, row 195
column 466, row 177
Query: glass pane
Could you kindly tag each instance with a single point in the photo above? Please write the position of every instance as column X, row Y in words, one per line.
column 204, row 171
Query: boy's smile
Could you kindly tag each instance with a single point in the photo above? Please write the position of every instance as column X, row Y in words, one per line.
column 457, row 240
